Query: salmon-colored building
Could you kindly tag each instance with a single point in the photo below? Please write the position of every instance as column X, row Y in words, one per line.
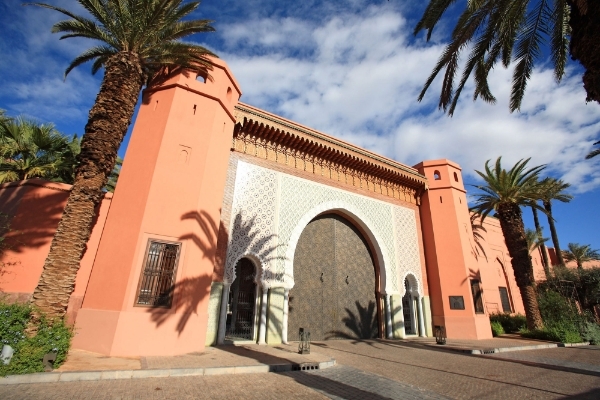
column 233, row 224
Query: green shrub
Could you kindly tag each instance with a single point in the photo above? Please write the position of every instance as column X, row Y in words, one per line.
column 497, row 328
column 29, row 352
column 590, row 332
column 510, row 323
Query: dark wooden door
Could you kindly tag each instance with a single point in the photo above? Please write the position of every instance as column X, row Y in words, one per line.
column 334, row 292
column 242, row 300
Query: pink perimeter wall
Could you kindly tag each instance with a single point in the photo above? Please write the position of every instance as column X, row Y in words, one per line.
column 171, row 190
column 33, row 208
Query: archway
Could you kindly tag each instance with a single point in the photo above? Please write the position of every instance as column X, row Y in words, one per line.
column 334, row 295
column 241, row 305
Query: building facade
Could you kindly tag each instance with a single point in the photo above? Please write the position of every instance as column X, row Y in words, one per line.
column 233, row 224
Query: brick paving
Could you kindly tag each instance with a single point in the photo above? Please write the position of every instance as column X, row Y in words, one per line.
column 344, row 382
column 255, row 386
column 462, row 376
column 578, row 359
column 368, row 370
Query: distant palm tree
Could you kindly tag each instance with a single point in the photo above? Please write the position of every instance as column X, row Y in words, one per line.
column 554, row 189
column 580, row 254
column 137, row 42
column 593, row 153
column 534, row 240
column 111, row 185
column 505, row 192
column 538, row 229
column 31, row 150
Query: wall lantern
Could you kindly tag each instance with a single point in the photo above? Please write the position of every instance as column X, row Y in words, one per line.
column 440, row 334
column 304, row 345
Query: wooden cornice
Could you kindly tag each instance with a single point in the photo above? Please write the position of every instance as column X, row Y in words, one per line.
column 271, row 137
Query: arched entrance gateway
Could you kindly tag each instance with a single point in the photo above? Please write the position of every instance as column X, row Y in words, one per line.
column 335, row 282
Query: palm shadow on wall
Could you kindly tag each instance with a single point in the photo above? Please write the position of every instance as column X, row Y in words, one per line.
column 363, row 324
column 188, row 293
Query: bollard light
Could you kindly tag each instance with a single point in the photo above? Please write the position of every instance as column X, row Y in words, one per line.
column 49, row 359
column 7, row 353
column 304, row 345
column 440, row 334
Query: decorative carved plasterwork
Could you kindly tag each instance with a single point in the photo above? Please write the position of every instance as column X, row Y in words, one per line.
column 252, row 223
column 407, row 248
column 265, row 138
column 271, row 209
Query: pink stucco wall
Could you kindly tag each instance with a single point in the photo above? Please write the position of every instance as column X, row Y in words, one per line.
column 34, row 208
column 171, row 189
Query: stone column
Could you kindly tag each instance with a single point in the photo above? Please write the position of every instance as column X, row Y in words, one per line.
column 388, row 318
column 286, row 307
column 420, row 317
column 223, row 314
column 262, row 330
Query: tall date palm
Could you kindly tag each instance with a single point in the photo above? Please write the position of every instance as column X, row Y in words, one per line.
column 505, row 192
column 139, row 41
column 554, row 189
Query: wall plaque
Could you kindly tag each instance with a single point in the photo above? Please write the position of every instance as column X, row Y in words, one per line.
column 457, row 303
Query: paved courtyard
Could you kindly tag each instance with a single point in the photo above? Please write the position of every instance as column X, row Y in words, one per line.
column 368, row 370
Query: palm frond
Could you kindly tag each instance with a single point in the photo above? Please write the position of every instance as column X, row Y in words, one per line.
column 527, row 50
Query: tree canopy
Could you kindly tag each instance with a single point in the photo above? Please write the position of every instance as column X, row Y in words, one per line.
column 506, row 31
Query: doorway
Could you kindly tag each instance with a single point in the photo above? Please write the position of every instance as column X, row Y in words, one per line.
column 242, row 302
column 334, row 296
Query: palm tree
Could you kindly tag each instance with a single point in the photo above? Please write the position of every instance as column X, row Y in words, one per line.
column 111, row 185
column 538, row 229
column 593, row 153
column 505, row 192
column 580, row 254
column 554, row 189
column 506, row 30
column 139, row 43
column 30, row 150
column 534, row 240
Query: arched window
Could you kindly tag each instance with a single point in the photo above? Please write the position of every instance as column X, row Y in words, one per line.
column 456, row 177
column 436, row 175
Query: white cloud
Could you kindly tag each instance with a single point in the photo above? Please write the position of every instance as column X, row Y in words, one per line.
column 362, row 82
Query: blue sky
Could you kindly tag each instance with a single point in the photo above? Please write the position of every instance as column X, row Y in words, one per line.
column 350, row 68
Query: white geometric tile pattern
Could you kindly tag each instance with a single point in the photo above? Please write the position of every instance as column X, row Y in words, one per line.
column 252, row 223
column 407, row 246
column 269, row 235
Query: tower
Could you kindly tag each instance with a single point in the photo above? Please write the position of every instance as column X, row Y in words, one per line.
column 149, row 287
column 452, row 268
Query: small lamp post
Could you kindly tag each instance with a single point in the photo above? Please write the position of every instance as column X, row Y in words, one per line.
column 440, row 334
column 304, row 345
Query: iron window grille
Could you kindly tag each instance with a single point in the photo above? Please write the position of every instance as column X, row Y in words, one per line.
column 477, row 296
column 504, row 299
column 158, row 276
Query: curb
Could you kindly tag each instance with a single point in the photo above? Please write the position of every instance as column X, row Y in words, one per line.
column 159, row 373
column 522, row 348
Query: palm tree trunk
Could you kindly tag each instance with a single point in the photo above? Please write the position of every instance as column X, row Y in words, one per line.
column 107, row 124
column 585, row 43
column 538, row 229
column 511, row 222
column 557, row 251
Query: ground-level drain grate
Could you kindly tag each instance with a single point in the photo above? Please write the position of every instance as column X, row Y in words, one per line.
column 305, row 367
